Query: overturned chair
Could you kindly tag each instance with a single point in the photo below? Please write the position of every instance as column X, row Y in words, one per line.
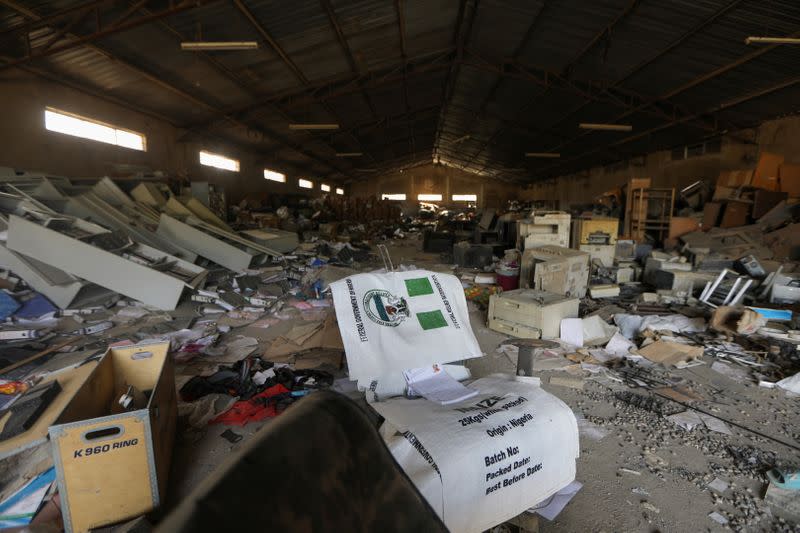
column 320, row 466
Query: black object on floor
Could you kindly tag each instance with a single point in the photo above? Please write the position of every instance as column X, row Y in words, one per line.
column 28, row 408
column 321, row 465
column 231, row 437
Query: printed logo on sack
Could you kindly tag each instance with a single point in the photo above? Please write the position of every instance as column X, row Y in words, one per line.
column 384, row 308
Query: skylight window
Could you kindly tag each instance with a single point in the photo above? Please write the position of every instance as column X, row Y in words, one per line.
column 325, row 188
column 305, row 184
column 219, row 161
column 465, row 197
column 274, row 176
column 339, row 190
column 86, row 128
column 429, row 197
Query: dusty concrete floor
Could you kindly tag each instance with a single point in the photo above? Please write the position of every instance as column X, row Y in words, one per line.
column 645, row 475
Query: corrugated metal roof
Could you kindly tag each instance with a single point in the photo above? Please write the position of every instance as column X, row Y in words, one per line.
column 529, row 72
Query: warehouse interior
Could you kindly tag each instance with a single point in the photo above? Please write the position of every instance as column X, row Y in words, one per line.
column 469, row 265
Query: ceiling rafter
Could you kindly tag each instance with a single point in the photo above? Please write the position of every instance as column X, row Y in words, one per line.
column 460, row 41
column 272, row 43
column 140, row 71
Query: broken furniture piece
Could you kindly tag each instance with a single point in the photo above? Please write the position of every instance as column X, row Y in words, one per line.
column 223, row 247
column 728, row 289
column 529, row 313
column 106, row 258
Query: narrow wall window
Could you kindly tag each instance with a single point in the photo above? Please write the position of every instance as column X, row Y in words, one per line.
column 429, row 197
column 393, row 196
column 219, row 161
column 305, row 184
column 87, row 128
column 274, row 176
column 465, row 197
column 339, row 190
column 325, row 188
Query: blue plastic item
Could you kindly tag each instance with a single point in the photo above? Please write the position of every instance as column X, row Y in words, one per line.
column 8, row 305
column 784, row 480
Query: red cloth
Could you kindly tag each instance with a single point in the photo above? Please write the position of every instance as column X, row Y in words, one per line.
column 252, row 410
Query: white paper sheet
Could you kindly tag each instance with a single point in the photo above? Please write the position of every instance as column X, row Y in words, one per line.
column 399, row 320
column 552, row 507
column 491, row 457
column 436, row 385
column 572, row 331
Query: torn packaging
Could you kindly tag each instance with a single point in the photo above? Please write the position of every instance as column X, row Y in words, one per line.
column 399, row 320
column 670, row 353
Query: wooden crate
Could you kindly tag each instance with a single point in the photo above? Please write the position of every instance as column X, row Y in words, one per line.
column 113, row 467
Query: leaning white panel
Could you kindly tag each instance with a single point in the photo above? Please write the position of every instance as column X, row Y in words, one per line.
column 228, row 252
column 125, row 276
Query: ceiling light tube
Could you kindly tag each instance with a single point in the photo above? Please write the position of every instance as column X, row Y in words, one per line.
column 219, row 45
column 462, row 138
column 605, row 127
column 349, row 154
column 544, row 155
column 313, row 126
column 772, row 40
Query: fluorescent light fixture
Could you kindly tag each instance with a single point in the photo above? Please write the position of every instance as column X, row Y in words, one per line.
column 86, row 128
column 219, row 161
column 349, row 154
column 429, row 197
column 339, row 190
column 274, row 176
column 465, row 197
column 605, row 127
column 461, row 139
column 305, row 184
column 197, row 46
column 772, row 40
column 325, row 188
column 543, row 155
column 313, row 126
column 398, row 197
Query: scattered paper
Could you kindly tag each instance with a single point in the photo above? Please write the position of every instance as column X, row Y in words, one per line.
column 735, row 373
column 718, row 518
column 552, row 507
column 436, row 385
column 572, row 331
column 590, row 430
column 718, row 485
column 20, row 508
column 619, row 345
column 596, row 331
column 670, row 353
column 688, row 420
column 791, row 384
column 715, row 424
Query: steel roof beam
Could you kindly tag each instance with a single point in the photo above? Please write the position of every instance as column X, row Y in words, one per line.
column 725, row 105
column 272, row 43
column 460, row 41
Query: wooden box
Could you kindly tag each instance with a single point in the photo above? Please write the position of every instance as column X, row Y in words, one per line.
column 112, row 466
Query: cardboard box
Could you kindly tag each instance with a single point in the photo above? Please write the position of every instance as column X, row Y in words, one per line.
column 767, row 171
column 735, row 215
column 790, row 179
column 113, row 465
column 735, row 178
column 711, row 215
column 555, row 269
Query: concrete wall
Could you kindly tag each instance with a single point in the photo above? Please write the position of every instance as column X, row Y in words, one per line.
column 438, row 179
column 27, row 145
column 781, row 136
